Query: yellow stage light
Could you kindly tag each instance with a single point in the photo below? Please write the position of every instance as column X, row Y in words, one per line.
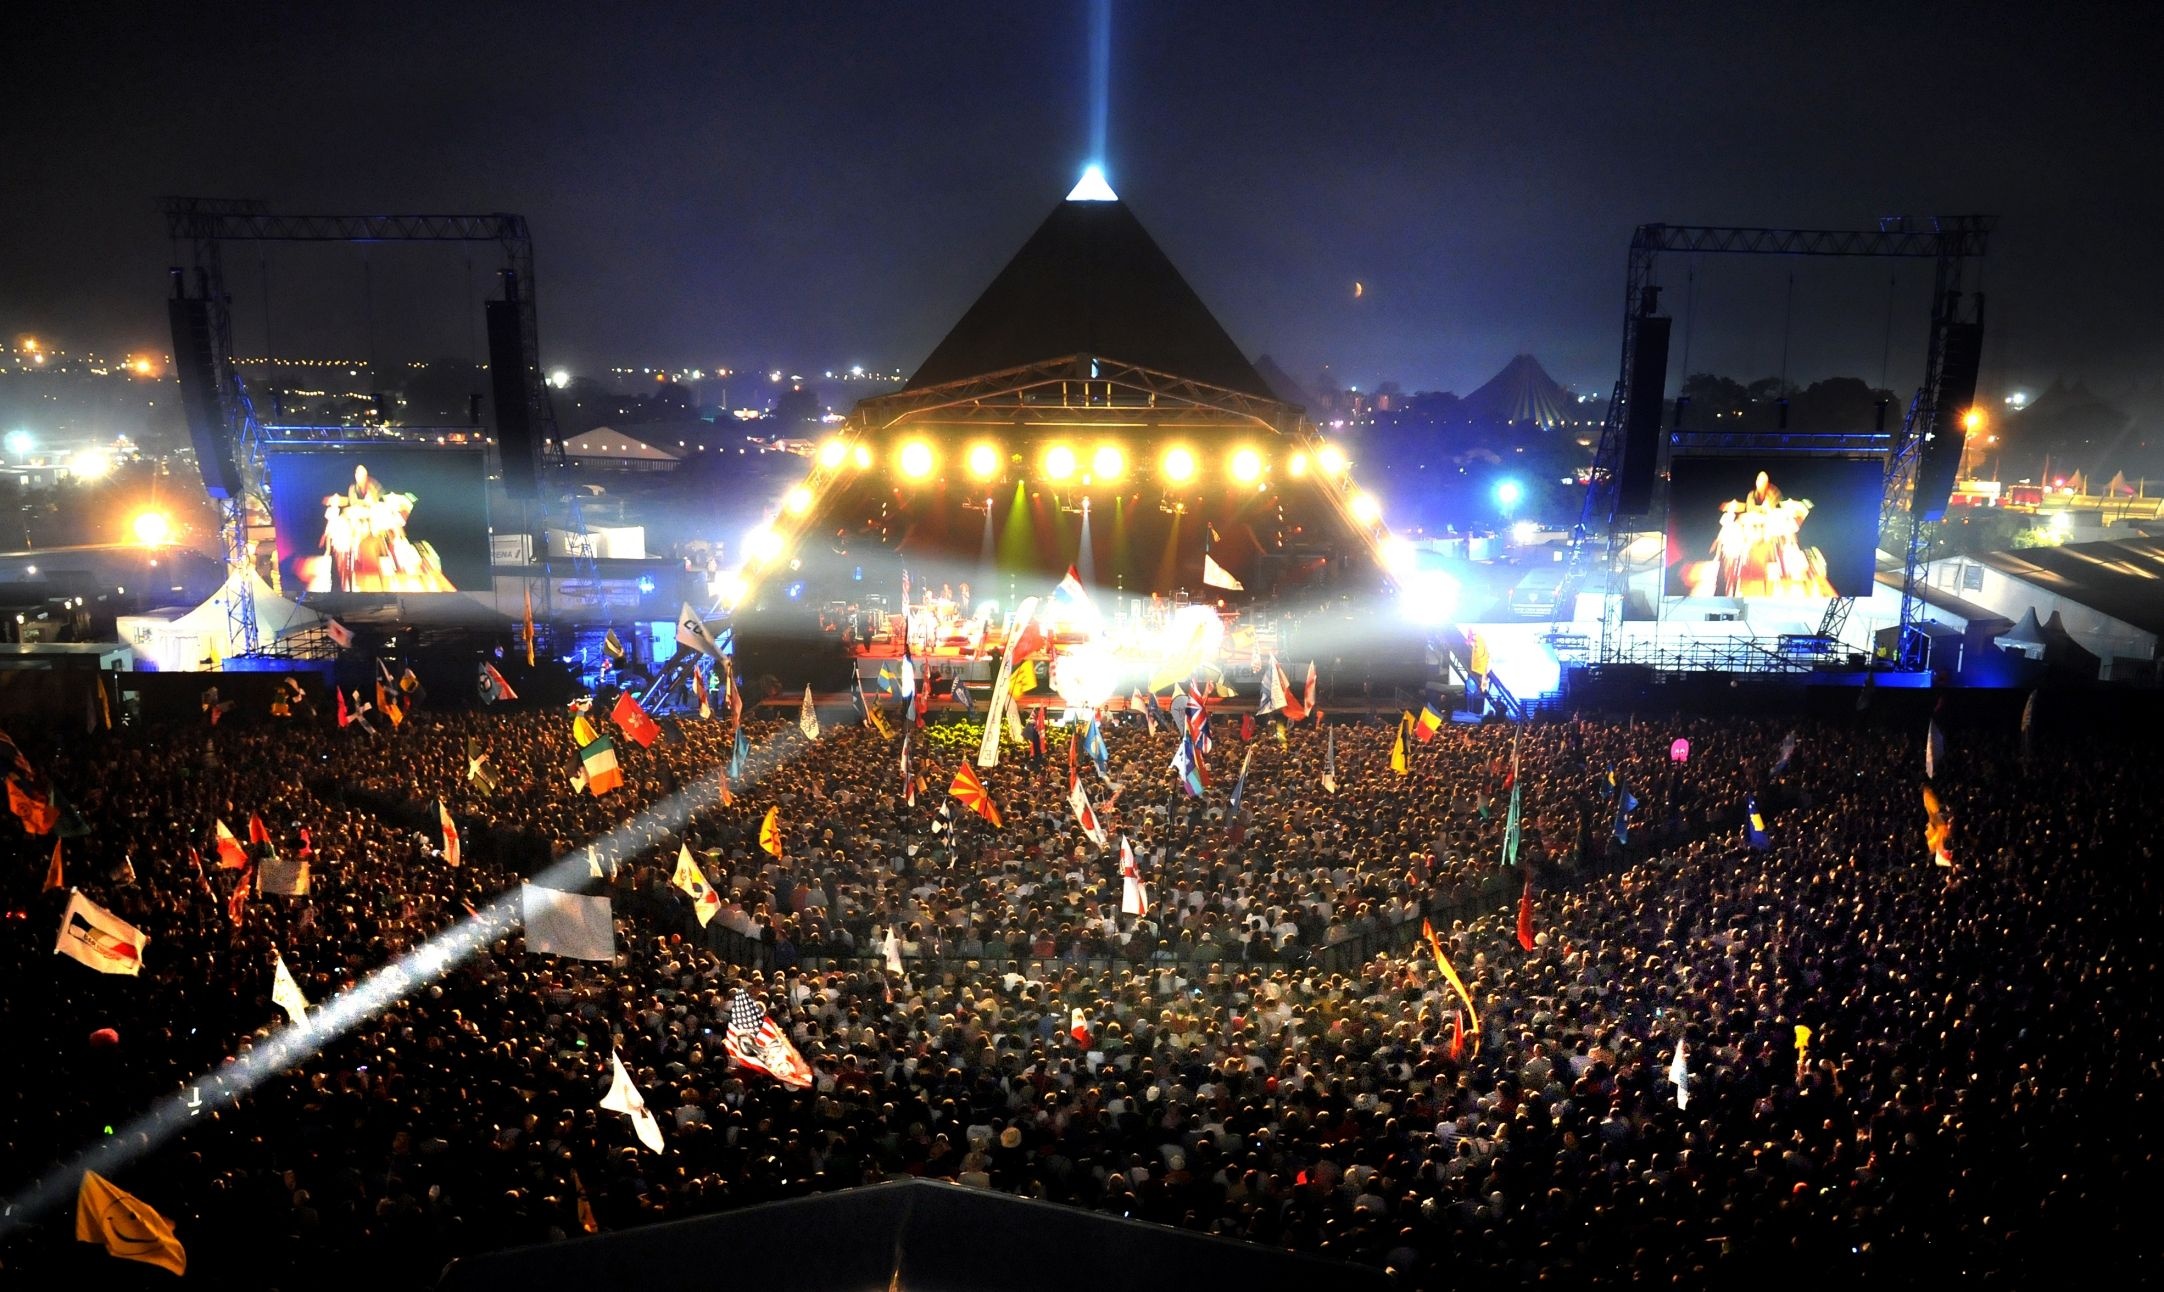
column 916, row 459
column 1973, row 420
column 732, row 588
column 152, row 529
column 799, row 500
column 983, row 461
column 1297, row 467
column 1179, row 466
column 1246, row 466
column 1331, row 459
column 832, row 452
column 1058, row 463
column 762, row 544
column 1108, row 462
column 1365, row 509
column 863, row 457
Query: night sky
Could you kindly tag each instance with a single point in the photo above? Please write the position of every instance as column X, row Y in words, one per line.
column 812, row 185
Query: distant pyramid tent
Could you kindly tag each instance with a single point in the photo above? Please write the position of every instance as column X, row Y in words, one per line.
column 2026, row 636
column 1522, row 392
column 1091, row 281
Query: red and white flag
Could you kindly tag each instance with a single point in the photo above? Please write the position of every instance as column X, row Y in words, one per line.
column 231, row 856
column 450, row 834
column 1083, row 814
column 94, row 936
column 1078, row 1026
column 755, row 1042
column 1134, row 894
column 691, row 881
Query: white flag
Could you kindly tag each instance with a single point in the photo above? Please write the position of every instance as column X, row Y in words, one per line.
column 807, row 719
column 96, row 937
column 1934, row 750
column 1134, row 894
column 691, row 880
column 1084, row 816
column 286, row 993
column 1217, row 576
column 567, row 924
column 623, row 1097
column 451, row 849
column 1273, row 688
column 691, row 631
column 892, row 947
column 1681, row 1075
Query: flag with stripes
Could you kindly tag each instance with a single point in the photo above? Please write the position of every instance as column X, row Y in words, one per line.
column 755, row 1042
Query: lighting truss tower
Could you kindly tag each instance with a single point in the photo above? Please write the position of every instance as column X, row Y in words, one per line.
column 203, row 224
column 1952, row 241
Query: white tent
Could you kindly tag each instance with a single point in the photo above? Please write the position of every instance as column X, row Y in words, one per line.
column 175, row 639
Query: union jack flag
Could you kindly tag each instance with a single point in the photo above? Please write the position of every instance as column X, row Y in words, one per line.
column 755, row 1042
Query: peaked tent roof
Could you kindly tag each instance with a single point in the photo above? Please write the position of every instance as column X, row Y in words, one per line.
column 1090, row 281
column 909, row 1234
column 1522, row 392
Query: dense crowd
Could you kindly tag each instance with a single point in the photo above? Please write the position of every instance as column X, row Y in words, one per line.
column 1268, row 1054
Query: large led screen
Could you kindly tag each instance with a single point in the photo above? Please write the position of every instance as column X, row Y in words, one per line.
column 389, row 519
column 1772, row 527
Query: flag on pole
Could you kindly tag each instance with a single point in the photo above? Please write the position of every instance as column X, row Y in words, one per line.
column 528, row 629
column 493, row 687
column 705, row 698
column 890, row 948
column 482, row 776
column 633, row 719
column 1679, row 1074
column 612, row 646
column 2028, row 724
column 1183, row 766
column 451, row 851
column 943, row 819
column 807, row 719
column 1938, row 831
column 1754, row 824
column 972, row 794
column 1525, row 916
column 1788, row 751
column 54, row 880
column 125, row 1225
column 1093, row 744
column 341, row 636
column 1247, row 726
column 623, row 1097
column 770, row 832
column 1078, row 1026
column 1307, row 693
column 739, row 751
column 1431, row 721
column 597, row 763
column 1934, row 750
column 1803, row 1047
column 755, row 1042
column 1217, row 576
column 231, row 855
column 1399, row 762
column 286, row 992
column 92, row 935
column 1134, row 894
column 691, row 881
column 1239, row 785
column 1513, row 830
column 909, row 774
column 576, row 925
column 1329, row 759
column 1084, row 815
column 963, row 697
column 1442, row 962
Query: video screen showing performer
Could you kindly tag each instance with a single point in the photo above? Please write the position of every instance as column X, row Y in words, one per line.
column 1792, row 529
column 408, row 530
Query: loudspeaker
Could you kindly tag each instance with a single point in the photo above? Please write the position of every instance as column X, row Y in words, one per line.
column 508, row 364
column 1642, row 417
column 1959, row 356
column 195, row 363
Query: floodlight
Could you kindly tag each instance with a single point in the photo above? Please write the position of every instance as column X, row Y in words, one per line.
column 1179, row 466
column 1059, row 463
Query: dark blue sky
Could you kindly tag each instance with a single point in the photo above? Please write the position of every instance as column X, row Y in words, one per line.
column 814, row 184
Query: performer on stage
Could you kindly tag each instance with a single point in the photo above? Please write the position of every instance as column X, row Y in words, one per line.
column 1759, row 550
column 364, row 547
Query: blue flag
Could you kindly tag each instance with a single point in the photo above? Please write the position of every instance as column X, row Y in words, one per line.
column 1754, row 824
column 1183, row 763
column 1239, row 786
column 1093, row 744
column 1625, row 802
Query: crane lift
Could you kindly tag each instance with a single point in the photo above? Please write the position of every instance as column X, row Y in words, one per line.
column 222, row 420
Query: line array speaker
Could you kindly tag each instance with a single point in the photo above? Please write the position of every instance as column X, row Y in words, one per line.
column 1959, row 357
column 1642, row 417
column 508, row 365
column 197, row 368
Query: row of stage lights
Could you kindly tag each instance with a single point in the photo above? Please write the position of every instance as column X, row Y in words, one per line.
column 917, row 459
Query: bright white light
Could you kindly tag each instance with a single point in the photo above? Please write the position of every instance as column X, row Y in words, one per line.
column 832, row 452
column 152, row 528
column 730, row 588
column 799, row 500
column 20, row 443
column 1429, row 597
column 1397, row 554
column 560, row 378
column 762, row 544
column 90, row 464
column 1366, row 509
column 1092, row 186
column 1508, row 493
column 2062, row 524
column 1524, row 532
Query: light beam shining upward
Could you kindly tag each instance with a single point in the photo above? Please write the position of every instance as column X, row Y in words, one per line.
column 1092, row 186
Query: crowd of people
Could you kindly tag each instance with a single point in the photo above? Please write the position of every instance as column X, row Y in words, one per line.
column 1965, row 1103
